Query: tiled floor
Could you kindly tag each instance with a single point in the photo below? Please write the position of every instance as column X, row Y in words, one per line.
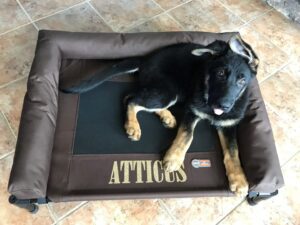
column 276, row 40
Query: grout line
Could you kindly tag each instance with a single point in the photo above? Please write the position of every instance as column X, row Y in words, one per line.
column 60, row 11
column 229, row 10
column 276, row 71
column 98, row 13
column 36, row 27
column 170, row 16
column 153, row 17
column 283, row 119
column 13, row 81
column 142, row 22
column 246, row 26
column 52, row 215
column 28, row 16
column 166, row 208
column 7, row 154
column 88, row 2
column 177, row 6
column 16, row 28
column 13, row 134
column 270, row 106
column 272, row 109
column 158, row 5
column 290, row 159
column 9, row 125
column 256, row 18
column 231, row 211
column 293, row 57
column 267, row 38
column 261, row 15
column 176, row 21
column 82, row 204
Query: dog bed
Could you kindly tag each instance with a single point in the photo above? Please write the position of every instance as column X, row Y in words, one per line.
column 73, row 147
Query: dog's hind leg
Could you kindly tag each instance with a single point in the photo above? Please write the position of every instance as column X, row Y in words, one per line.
column 132, row 125
column 236, row 176
column 150, row 100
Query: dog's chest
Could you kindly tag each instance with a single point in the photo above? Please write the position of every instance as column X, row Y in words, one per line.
column 215, row 121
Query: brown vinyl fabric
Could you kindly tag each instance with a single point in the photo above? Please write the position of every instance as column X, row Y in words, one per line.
column 43, row 151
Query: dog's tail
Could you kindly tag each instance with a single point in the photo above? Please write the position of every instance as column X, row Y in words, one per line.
column 124, row 67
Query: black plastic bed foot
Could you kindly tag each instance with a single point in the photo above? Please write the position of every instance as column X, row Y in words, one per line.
column 255, row 197
column 31, row 205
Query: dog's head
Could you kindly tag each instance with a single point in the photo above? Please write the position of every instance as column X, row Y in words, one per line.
column 229, row 73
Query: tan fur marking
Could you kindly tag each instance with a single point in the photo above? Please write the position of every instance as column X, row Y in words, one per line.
column 236, row 176
column 167, row 118
column 132, row 125
column 174, row 157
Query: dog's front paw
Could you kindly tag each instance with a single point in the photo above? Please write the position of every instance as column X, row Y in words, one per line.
column 172, row 162
column 238, row 182
column 133, row 130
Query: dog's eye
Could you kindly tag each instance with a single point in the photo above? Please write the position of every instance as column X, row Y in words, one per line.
column 241, row 81
column 240, row 76
column 221, row 73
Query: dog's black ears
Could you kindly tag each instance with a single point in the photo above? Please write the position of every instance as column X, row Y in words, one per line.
column 219, row 47
column 215, row 48
column 238, row 46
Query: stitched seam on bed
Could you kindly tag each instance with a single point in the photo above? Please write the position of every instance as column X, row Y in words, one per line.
column 37, row 191
column 75, row 124
column 73, row 141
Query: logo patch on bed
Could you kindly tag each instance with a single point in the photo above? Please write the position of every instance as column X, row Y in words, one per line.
column 144, row 171
column 201, row 163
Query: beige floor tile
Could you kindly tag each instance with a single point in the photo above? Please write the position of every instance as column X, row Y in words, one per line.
column 282, row 92
column 11, row 214
column 207, row 15
column 205, row 210
column 121, row 15
column 62, row 208
column 37, row 9
column 247, row 9
column 11, row 15
column 7, row 139
column 243, row 216
column 159, row 24
column 280, row 31
column 271, row 57
column 133, row 212
column 80, row 18
column 289, row 200
column 281, row 209
column 167, row 4
column 286, row 138
column 12, row 101
column 16, row 53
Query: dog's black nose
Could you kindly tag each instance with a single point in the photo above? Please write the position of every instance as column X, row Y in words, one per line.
column 224, row 105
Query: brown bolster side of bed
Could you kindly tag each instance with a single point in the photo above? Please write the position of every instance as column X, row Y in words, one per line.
column 30, row 170
column 257, row 146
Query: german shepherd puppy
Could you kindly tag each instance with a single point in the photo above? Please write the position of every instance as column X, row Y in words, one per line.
column 212, row 82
